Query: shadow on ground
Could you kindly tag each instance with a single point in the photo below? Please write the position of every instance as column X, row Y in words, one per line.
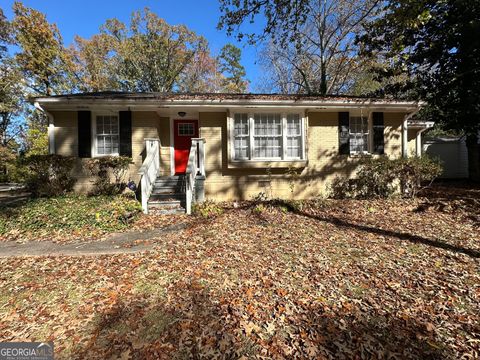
column 198, row 324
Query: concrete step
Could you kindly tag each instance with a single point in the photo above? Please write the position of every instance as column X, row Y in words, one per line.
column 169, row 183
column 168, row 189
column 166, row 197
column 160, row 211
column 165, row 203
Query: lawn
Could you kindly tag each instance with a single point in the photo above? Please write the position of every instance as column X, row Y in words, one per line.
column 324, row 279
column 71, row 218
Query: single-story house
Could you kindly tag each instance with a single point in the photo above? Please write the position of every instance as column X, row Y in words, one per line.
column 229, row 146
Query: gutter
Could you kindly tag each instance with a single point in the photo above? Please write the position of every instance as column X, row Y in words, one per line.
column 51, row 128
column 159, row 103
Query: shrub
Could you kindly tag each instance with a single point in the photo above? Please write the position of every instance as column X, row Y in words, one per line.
column 110, row 174
column 382, row 177
column 259, row 209
column 415, row 172
column 206, row 209
column 49, row 175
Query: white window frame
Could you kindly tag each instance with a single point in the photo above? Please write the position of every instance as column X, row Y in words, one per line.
column 246, row 136
column 369, row 134
column 283, row 117
column 94, row 133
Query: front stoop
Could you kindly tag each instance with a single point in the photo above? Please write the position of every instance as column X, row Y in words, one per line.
column 168, row 195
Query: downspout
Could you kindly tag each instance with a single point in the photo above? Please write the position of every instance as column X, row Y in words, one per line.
column 51, row 128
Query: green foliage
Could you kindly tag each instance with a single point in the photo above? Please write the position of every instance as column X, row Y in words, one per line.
column 415, row 171
column 259, row 209
column 41, row 57
column 67, row 214
column 146, row 55
column 7, row 159
column 207, row 209
column 110, row 174
column 382, row 177
column 438, row 131
column 49, row 175
column 234, row 72
column 36, row 137
column 436, row 43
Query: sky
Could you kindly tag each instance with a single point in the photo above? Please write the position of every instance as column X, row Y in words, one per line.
column 84, row 17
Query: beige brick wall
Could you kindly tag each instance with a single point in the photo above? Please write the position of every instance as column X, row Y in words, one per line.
column 393, row 134
column 324, row 162
column 145, row 124
column 225, row 182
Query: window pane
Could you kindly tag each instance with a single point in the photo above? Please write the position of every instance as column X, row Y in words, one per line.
column 293, row 124
column 267, row 124
column 358, row 134
column 293, row 152
column 241, row 138
column 107, row 134
column 241, row 124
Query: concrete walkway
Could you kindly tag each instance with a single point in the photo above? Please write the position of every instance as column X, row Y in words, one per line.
column 117, row 243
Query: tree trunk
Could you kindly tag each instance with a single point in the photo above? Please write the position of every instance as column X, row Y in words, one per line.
column 473, row 150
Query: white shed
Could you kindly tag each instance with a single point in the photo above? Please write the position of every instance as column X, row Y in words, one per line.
column 452, row 152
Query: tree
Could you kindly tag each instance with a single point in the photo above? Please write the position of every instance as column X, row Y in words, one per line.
column 201, row 75
column 436, row 42
column 5, row 34
column 233, row 71
column 151, row 54
column 11, row 101
column 311, row 41
column 10, row 86
column 94, row 66
column 42, row 58
column 145, row 55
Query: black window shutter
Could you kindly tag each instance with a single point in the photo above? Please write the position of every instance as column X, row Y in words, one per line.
column 126, row 133
column 344, row 133
column 378, row 133
column 84, row 134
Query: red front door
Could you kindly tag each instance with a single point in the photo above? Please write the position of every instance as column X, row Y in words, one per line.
column 184, row 131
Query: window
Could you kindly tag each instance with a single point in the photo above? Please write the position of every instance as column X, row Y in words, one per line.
column 294, row 136
column 241, row 136
column 267, row 136
column 107, row 137
column 186, row 129
column 359, row 134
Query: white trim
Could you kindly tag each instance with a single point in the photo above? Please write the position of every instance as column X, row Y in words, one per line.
column 369, row 137
column 51, row 135
column 172, row 148
column 283, row 117
column 159, row 102
column 94, row 132
column 50, row 130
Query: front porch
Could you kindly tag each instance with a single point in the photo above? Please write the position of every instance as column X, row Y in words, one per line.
column 174, row 193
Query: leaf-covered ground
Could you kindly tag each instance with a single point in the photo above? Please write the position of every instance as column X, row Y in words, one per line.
column 73, row 218
column 332, row 279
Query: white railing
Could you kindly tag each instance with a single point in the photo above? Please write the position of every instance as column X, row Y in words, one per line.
column 196, row 166
column 149, row 170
